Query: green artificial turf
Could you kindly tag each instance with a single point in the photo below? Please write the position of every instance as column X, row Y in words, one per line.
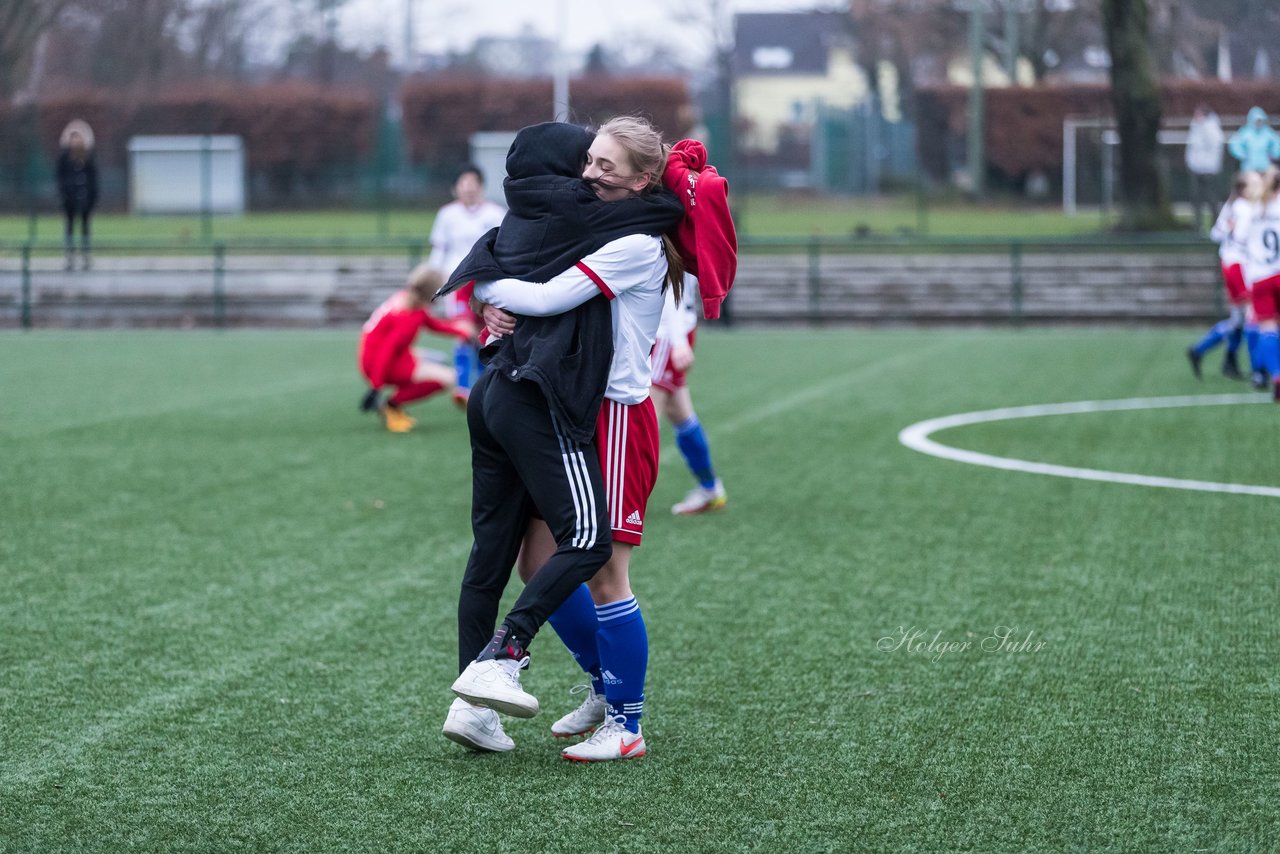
column 228, row 618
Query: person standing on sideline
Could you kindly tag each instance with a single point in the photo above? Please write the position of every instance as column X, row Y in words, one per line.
column 78, row 187
column 1204, row 160
column 672, row 359
column 458, row 226
column 1256, row 144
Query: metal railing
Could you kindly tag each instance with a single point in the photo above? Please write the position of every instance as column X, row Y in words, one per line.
column 814, row 250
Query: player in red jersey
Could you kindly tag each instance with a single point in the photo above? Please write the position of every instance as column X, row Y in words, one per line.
column 388, row 357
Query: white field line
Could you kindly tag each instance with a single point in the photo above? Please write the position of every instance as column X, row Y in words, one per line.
column 916, row 437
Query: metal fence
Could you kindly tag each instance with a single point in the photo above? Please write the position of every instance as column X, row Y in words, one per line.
column 814, row 280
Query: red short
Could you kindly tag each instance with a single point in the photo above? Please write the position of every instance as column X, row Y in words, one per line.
column 398, row 373
column 665, row 376
column 1265, row 296
column 627, row 439
column 1233, row 278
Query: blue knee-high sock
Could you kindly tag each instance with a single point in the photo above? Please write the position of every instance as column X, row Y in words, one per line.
column 691, row 439
column 1251, row 342
column 1233, row 340
column 575, row 622
column 1211, row 339
column 462, row 364
column 624, row 657
column 1269, row 344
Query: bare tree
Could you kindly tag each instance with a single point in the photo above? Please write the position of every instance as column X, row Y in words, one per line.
column 1253, row 26
column 908, row 36
column 216, row 32
column 1143, row 198
column 712, row 20
column 22, row 23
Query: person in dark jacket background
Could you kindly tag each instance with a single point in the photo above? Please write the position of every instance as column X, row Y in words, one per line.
column 78, row 186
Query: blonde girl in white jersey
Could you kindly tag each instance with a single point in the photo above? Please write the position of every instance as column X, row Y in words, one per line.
column 602, row 623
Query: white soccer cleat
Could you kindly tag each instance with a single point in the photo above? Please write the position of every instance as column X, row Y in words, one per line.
column 495, row 684
column 702, row 500
column 583, row 719
column 611, row 741
column 477, row 728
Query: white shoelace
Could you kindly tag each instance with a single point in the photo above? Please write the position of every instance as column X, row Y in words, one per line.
column 592, row 697
column 512, row 674
column 613, row 726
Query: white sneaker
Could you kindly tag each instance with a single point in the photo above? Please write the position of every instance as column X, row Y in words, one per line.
column 477, row 728
column 495, row 684
column 611, row 741
column 702, row 500
column 583, row 719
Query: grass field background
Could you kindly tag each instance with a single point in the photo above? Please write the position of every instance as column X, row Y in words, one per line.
column 229, row 604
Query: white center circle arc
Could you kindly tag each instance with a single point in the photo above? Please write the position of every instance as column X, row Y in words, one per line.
column 917, row 437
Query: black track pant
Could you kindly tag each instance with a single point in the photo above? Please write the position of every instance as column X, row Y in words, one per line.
column 68, row 230
column 520, row 460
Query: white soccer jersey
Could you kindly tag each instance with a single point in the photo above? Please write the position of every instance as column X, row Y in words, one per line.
column 629, row 271
column 1231, row 230
column 679, row 320
column 456, row 230
column 1264, row 243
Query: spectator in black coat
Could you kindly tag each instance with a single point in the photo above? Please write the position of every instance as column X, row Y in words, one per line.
column 78, row 186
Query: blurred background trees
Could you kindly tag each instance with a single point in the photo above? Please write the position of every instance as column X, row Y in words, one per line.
column 885, row 110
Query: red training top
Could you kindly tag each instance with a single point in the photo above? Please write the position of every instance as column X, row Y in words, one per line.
column 705, row 238
column 389, row 333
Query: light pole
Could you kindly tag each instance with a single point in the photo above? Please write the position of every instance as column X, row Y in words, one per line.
column 560, row 87
column 1011, row 41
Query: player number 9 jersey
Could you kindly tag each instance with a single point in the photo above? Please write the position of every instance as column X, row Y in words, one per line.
column 1264, row 243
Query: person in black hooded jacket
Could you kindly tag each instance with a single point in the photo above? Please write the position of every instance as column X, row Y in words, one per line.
column 533, row 414
column 77, row 186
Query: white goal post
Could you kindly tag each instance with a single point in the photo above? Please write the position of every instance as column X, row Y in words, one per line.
column 1173, row 133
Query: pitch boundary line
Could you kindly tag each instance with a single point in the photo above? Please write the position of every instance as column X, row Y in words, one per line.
column 917, row 438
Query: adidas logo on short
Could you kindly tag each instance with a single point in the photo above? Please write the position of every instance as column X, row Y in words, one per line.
column 634, row 518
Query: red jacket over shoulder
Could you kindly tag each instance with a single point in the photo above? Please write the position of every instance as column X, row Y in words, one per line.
column 705, row 237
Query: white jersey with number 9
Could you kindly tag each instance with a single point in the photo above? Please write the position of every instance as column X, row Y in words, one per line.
column 1264, row 243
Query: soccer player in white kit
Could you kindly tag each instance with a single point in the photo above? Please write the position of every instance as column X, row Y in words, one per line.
column 601, row 622
column 1228, row 230
column 1262, row 270
column 457, row 227
column 672, row 359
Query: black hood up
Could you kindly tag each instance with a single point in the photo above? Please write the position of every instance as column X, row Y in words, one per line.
column 549, row 149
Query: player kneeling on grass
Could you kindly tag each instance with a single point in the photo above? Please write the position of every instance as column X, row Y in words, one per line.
column 388, row 357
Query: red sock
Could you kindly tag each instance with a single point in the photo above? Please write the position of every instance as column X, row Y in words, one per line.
column 415, row 391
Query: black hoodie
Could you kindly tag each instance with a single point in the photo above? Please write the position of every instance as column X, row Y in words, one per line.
column 554, row 219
